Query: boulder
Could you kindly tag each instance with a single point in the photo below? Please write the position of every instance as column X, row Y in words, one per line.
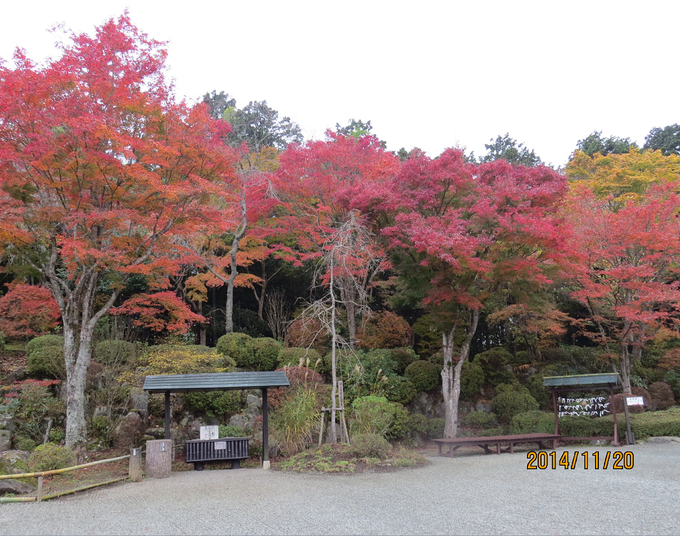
column 130, row 430
column 140, row 400
column 7, row 422
column 15, row 487
column 195, row 429
column 254, row 400
column 157, row 433
column 241, row 421
column 5, row 440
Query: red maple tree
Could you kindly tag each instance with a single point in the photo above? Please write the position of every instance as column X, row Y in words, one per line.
column 99, row 168
column 27, row 311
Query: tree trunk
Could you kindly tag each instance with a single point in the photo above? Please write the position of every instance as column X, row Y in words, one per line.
column 451, row 374
column 238, row 235
column 334, row 342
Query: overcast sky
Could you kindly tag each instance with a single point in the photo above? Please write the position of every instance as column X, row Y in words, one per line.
column 426, row 74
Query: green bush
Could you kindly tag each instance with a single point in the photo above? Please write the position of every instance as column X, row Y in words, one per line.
column 531, row 422
column 370, row 446
column 46, row 362
column 227, row 430
column 49, row 457
column 214, row 403
column 402, row 425
column 471, row 379
column 424, row 375
column 492, row 432
column 511, row 400
column 57, row 435
column 2, row 341
column 494, row 363
column 111, row 352
column 291, row 357
column 399, row 389
column 22, row 442
column 236, row 346
column 265, row 353
column 44, row 340
column 371, row 415
column 480, row 419
column 672, row 378
column 535, row 386
column 435, row 428
column 403, row 357
column 102, row 431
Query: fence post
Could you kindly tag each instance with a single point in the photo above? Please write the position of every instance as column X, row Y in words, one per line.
column 135, row 470
column 39, row 495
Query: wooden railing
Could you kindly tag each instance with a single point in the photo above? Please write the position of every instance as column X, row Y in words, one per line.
column 134, row 474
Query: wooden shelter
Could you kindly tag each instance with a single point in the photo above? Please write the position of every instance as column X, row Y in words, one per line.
column 583, row 382
column 219, row 381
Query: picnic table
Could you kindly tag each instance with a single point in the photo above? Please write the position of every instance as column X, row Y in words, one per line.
column 455, row 443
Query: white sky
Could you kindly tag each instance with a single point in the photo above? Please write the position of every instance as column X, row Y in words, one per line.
column 426, row 74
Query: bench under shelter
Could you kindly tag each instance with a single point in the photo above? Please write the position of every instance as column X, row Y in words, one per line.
column 219, row 381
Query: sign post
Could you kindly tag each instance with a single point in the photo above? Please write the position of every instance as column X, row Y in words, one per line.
column 631, row 401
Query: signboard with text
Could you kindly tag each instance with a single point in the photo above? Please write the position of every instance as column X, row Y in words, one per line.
column 209, row 432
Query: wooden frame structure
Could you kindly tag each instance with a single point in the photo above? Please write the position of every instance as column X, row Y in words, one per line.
column 583, row 382
column 219, row 381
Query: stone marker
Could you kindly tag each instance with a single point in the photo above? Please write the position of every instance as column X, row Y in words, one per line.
column 159, row 458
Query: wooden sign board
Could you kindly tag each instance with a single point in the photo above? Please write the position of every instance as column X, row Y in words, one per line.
column 635, row 401
column 209, row 432
column 220, row 445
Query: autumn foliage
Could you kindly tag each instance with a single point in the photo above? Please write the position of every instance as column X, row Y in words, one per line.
column 27, row 311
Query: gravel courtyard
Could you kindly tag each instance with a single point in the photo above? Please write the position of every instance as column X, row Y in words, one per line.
column 469, row 494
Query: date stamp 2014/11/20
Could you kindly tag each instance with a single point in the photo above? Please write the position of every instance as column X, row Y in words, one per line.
column 587, row 460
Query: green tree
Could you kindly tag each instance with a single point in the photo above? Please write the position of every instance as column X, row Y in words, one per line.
column 508, row 149
column 666, row 140
column 595, row 143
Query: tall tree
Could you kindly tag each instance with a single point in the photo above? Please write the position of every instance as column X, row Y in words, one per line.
column 464, row 236
column 666, row 140
column 100, row 167
column 595, row 143
column 628, row 273
column 508, row 149
column 625, row 176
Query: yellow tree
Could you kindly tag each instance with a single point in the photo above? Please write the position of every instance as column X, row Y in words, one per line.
column 625, row 177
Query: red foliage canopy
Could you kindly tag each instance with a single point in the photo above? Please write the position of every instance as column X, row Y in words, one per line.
column 27, row 311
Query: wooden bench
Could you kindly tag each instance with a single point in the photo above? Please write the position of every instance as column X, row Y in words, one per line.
column 455, row 443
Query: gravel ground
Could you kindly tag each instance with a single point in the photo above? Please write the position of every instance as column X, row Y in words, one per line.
column 469, row 494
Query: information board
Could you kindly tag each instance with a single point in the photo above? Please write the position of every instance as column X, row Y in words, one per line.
column 210, row 432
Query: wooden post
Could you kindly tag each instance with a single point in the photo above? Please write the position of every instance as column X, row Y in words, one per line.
column 557, row 419
column 617, row 441
column 135, row 468
column 39, row 495
column 159, row 458
column 167, row 415
column 323, row 416
column 630, row 438
column 265, row 430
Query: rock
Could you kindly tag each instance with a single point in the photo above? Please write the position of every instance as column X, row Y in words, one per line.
column 254, row 400
column 484, row 407
column 140, row 400
column 16, row 375
column 130, row 430
column 5, row 440
column 186, row 419
column 11, row 456
column 599, row 442
column 100, row 410
column 156, row 433
column 213, row 421
column 14, row 486
column 240, row 421
column 7, row 422
column 195, row 430
column 664, row 439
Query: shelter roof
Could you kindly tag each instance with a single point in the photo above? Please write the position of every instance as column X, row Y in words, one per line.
column 218, row 381
column 582, row 380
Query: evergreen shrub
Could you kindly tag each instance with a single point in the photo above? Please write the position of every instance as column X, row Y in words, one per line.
column 236, row 346
column 471, row 379
column 44, row 340
column 511, row 400
column 111, row 352
column 494, row 363
column 435, row 428
column 291, row 357
column 214, row 403
column 49, row 457
column 480, row 419
column 370, row 446
column 424, row 375
column 403, row 357
column 46, row 362
column 265, row 353
column 371, row 415
column 533, row 422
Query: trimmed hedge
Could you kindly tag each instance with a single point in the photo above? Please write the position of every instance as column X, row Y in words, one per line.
column 533, row 422
column 46, row 362
column 112, row 352
column 511, row 400
column 644, row 425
